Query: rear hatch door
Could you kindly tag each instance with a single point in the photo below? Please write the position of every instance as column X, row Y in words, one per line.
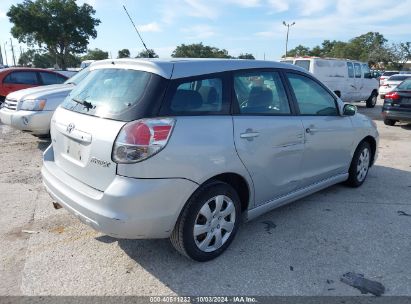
column 84, row 128
column 82, row 147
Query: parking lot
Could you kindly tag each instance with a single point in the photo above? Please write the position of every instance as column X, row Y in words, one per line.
column 300, row 249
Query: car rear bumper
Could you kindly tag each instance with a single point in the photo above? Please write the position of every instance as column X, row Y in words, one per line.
column 129, row 208
column 397, row 115
column 35, row 122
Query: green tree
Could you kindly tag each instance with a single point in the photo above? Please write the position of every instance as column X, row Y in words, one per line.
column 246, row 56
column 299, row 50
column 145, row 54
column 60, row 27
column 41, row 59
column 95, row 54
column 124, row 53
column 401, row 53
column 198, row 50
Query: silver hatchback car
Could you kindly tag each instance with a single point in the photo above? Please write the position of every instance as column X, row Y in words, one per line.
column 187, row 149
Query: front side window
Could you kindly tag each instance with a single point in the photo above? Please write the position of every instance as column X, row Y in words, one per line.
column 196, row 96
column 261, row 93
column 51, row 78
column 312, row 98
column 357, row 70
column 366, row 71
column 350, row 68
column 29, row 78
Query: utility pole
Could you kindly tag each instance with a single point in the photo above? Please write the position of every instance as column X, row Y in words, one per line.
column 12, row 51
column 1, row 57
column 288, row 25
column 5, row 53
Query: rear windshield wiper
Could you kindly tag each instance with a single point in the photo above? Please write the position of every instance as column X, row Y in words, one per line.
column 86, row 104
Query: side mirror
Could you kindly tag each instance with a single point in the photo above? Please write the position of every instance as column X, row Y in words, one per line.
column 349, row 110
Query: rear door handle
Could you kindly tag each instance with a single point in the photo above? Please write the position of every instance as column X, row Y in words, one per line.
column 249, row 134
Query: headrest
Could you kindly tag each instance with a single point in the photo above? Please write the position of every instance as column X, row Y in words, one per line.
column 209, row 94
column 186, row 100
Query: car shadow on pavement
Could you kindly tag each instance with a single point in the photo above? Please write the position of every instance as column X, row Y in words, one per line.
column 302, row 248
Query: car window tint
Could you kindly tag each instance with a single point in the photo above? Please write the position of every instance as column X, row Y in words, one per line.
column 350, row 68
column 51, row 78
column 29, row 78
column 261, row 93
column 357, row 69
column 311, row 97
column 201, row 95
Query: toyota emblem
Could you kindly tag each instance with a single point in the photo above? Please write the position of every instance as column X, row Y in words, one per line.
column 70, row 128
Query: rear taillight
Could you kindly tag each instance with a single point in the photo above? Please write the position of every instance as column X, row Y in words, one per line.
column 141, row 139
column 392, row 95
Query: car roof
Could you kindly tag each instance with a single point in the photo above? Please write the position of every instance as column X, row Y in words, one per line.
column 27, row 70
column 187, row 67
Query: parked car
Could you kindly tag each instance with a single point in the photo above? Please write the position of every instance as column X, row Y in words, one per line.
column 385, row 75
column 391, row 83
column 188, row 148
column 14, row 79
column 30, row 110
column 350, row 80
column 397, row 104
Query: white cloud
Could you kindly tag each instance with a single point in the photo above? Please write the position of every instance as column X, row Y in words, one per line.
column 197, row 8
column 150, row 27
column 244, row 3
column 311, row 7
column 198, row 32
column 279, row 5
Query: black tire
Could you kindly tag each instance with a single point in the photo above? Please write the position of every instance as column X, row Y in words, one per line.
column 354, row 180
column 389, row 122
column 372, row 100
column 183, row 238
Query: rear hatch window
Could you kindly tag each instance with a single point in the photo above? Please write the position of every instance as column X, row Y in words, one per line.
column 118, row 94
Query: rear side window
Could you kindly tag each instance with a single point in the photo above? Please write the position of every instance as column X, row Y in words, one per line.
column 29, row 78
column 357, row 70
column 350, row 68
column 109, row 93
column 312, row 98
column 261, row 93
column 305, row 64
column 51, row 78
column 197, row 96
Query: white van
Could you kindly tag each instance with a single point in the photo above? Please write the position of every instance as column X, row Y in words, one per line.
column 349, row 79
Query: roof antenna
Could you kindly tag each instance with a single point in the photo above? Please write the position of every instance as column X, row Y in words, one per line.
column 148, row 52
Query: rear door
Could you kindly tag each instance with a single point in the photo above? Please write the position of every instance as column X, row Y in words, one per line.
column 328, row 136
column 268, row 136
column 19, row 80
column 85, row 127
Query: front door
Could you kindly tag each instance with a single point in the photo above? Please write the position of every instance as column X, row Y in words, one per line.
column 268, row 136
column 328, row 135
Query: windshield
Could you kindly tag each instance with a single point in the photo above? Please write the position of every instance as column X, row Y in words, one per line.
column 108, row 93
column 399, row 78
column 79, row 76
column 405, row 85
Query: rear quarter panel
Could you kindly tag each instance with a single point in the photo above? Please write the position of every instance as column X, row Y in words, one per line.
column 199, row 148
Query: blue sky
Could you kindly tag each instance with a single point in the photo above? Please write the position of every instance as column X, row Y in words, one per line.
column 240, row 26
